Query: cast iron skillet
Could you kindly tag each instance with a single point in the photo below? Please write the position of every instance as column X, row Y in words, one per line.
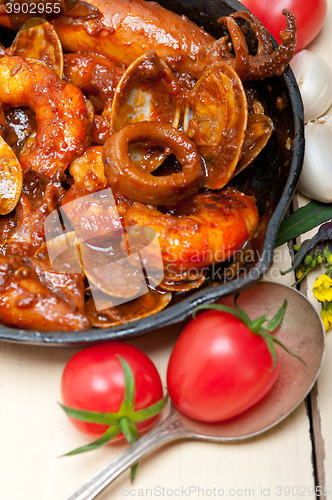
column 272, row 179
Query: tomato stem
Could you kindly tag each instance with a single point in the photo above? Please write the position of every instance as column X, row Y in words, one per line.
column 124, row 420
column 256, row 326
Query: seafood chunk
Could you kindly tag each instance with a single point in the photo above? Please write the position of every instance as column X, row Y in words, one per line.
column 20, row 130
column 60, row 109
column 97, row 77
column 3, row 124
column 258, row 132
column 34, row 296
column 148, row 91
column 38, row 40
column 129, row 28
column 29, row 233
column 126, row 29
column 11, row 179
column 216, row 120
column 124, row 176
column 218, row 224
column 145, row 305
column 88, row 174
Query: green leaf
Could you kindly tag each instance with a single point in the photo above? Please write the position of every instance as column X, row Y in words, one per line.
column 258, row 322
column 243, row 315
column 150, row 411
column 133, row 472
column 304, row 219
column 218, row 307
column 127, row 405
column 256, row 326
column 111, row 433
column 272, row 349
column 275, row 322
column 288, row 351
column 129, row 430
column 92, row 416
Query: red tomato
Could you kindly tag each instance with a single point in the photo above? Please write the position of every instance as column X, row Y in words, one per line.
column 218, row 368
column 310, row 16
column 93, row 380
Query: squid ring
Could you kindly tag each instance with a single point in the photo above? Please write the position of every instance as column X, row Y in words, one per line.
column 129, row 180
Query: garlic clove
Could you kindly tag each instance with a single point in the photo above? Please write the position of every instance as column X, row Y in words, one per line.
column 316, row 176
column 314, row 79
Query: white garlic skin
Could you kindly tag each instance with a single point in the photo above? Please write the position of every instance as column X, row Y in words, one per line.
column 316, row 176
column 314, row 79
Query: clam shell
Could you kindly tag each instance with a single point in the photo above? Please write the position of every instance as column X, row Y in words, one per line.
column 148, row 91
column 145, row 305
column 37, row 39
column 259, row 130
column 215, row 119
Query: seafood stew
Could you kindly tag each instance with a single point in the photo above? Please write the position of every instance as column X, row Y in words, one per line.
column 257, row 192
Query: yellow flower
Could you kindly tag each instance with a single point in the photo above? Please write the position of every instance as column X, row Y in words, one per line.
column 299, row 273
column 323, row 288
column 326, row 316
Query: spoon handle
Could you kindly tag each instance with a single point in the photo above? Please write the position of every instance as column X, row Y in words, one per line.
column 170, row 429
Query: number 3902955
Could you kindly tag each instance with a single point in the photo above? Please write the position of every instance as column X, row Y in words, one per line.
column 33, row 8
column 302, row 491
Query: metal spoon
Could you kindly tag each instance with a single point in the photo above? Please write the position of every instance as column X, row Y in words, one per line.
column 301, row 331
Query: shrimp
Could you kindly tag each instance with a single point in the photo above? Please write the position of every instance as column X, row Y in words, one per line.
column 219, row 224
column 61, row 113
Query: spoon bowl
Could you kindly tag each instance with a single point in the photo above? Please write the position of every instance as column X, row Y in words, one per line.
column 301, row 331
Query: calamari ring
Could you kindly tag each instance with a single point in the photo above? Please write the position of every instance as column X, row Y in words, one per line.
column 126, row 178
column 61, row 113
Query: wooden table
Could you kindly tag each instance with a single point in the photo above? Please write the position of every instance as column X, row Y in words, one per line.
column 34, row 431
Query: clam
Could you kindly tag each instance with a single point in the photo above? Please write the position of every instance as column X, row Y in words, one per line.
column 11, row 179
column 119, row 278
column 259, row 130
column 61, row 251
column 150, row 303
column 215, row 119
column 181, row 286
column 183, row 283
column 37, row 39
column 148, row 91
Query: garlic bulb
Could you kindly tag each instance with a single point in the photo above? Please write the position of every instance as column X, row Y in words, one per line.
column 314, row 79
column 316, row 176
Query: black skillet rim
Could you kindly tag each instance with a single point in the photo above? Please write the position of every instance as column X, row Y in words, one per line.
column 183, row 309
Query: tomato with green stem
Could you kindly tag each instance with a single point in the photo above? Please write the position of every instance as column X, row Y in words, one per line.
column 223, row 363
column 109, row 391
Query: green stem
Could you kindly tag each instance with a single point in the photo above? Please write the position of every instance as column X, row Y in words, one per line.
column 130, row 432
